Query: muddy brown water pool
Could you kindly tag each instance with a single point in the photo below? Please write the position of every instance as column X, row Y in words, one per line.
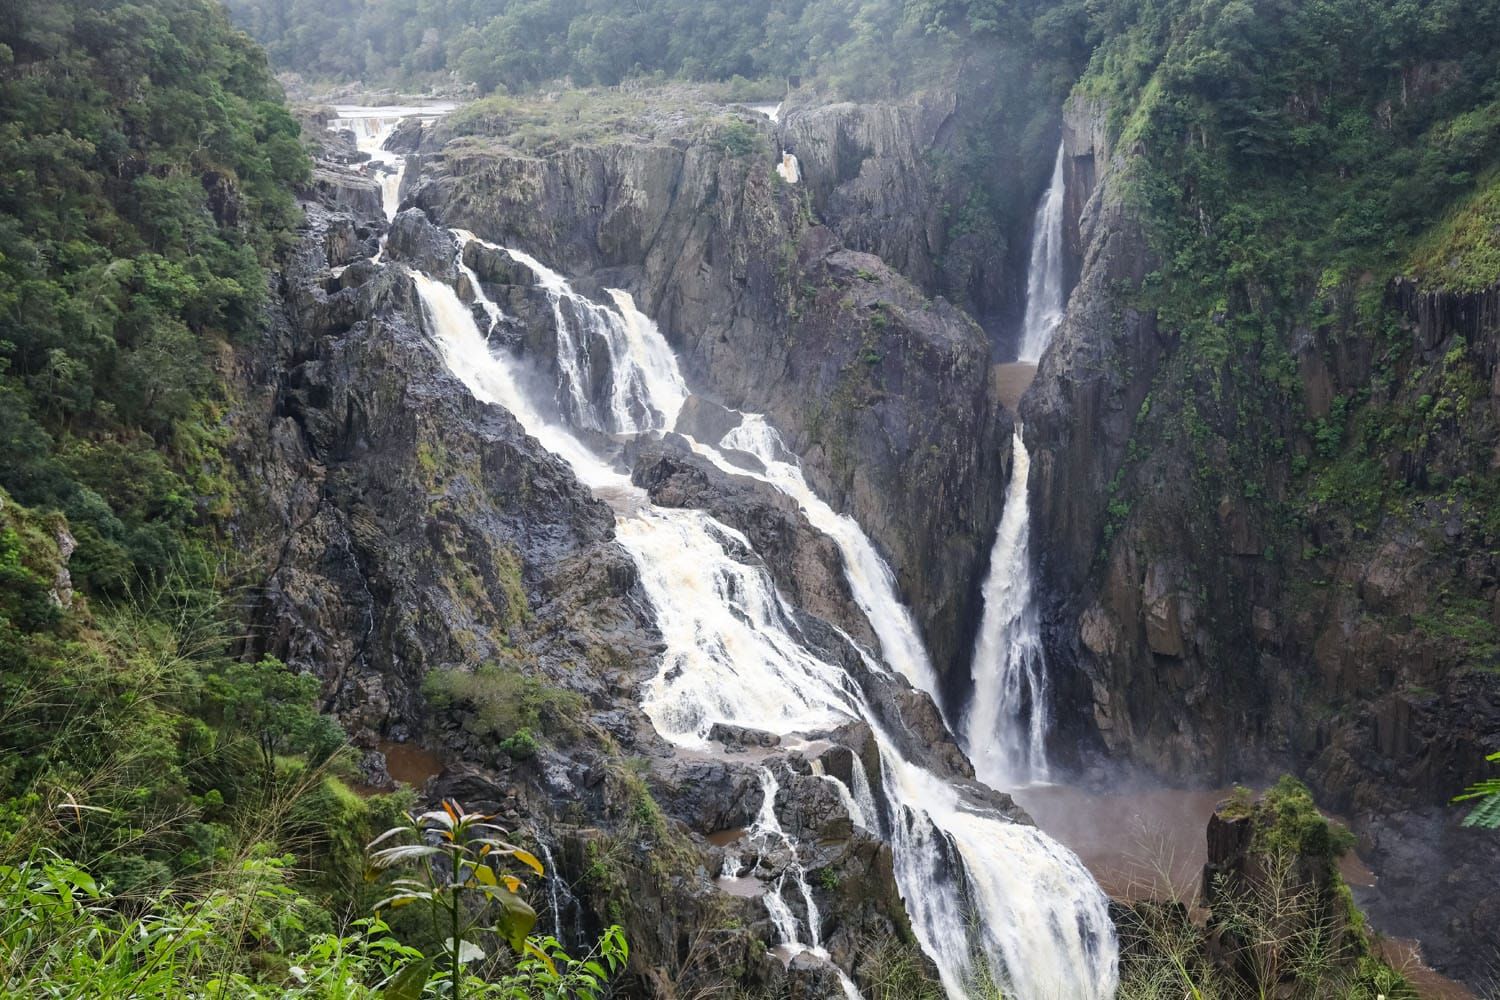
column 1010, row 381
column 1152, row 844
column 409, row 763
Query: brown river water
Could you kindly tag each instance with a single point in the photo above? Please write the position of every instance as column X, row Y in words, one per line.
column 1152, row 845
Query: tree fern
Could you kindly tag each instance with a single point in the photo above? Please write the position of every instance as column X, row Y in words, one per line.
column 1487, row 793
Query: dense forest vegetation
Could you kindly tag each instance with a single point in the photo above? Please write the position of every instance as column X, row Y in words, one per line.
column 860, row 46
column 149, row 167
column 174, row 819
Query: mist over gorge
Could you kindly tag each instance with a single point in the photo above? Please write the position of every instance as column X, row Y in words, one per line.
column 838, row 486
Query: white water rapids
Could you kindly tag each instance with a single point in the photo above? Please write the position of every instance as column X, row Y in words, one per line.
column 1005, row 727
column 982, row 892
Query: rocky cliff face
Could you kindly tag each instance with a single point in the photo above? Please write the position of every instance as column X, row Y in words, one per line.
column 1200, row 631
column 882, row 390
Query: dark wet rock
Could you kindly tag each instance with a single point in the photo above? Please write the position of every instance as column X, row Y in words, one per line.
column 348, row 192
column 415, row 241
column 406, row 137
column 739, row 736
column 710, row 795
column 495, row 267
column 1428, row 888
column 810, row 976
column 373, row 772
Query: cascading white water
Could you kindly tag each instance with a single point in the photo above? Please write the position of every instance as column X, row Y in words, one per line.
column 1045, row 299
column 1005, row 728
column 870, row 579
column 647, row 392
column 559, row 899
column 646, row 389
column 734, row 654
column 789, row 169
column 766, row 833
column 771, row 111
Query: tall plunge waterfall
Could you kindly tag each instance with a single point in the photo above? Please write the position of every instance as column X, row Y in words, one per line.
column 1045, row 299
column 1005, row 727
column 734, row 653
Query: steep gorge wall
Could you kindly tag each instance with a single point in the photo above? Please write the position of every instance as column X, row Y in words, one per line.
column 1203, row 633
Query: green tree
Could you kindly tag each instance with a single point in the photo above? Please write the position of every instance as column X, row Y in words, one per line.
column 277, row 710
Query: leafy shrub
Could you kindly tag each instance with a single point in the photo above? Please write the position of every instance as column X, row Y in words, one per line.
column 499, row 702
column 738, row 138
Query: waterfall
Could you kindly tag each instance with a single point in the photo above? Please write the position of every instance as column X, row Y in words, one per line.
column 766, row 833
column 870, row 579
column 646, row 389
column 982, row 891
column 789, row 169
column 771, row 111
column 1005, row 728
column 1044, row 277
column 560, row 898
column 372, row 126
column 646, row 381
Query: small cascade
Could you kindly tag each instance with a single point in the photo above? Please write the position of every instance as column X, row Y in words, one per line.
column 856, row 812
column 864, row 797
column 1005, row 728
column 983, row 892
column 789, row 169
column 1045, row 295
column 771, row 111
column 767, row 834
column 646, row 389
column 560, row 901
column 372, row 126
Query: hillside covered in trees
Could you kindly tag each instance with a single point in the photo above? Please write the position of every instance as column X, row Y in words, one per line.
column 860, row 47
